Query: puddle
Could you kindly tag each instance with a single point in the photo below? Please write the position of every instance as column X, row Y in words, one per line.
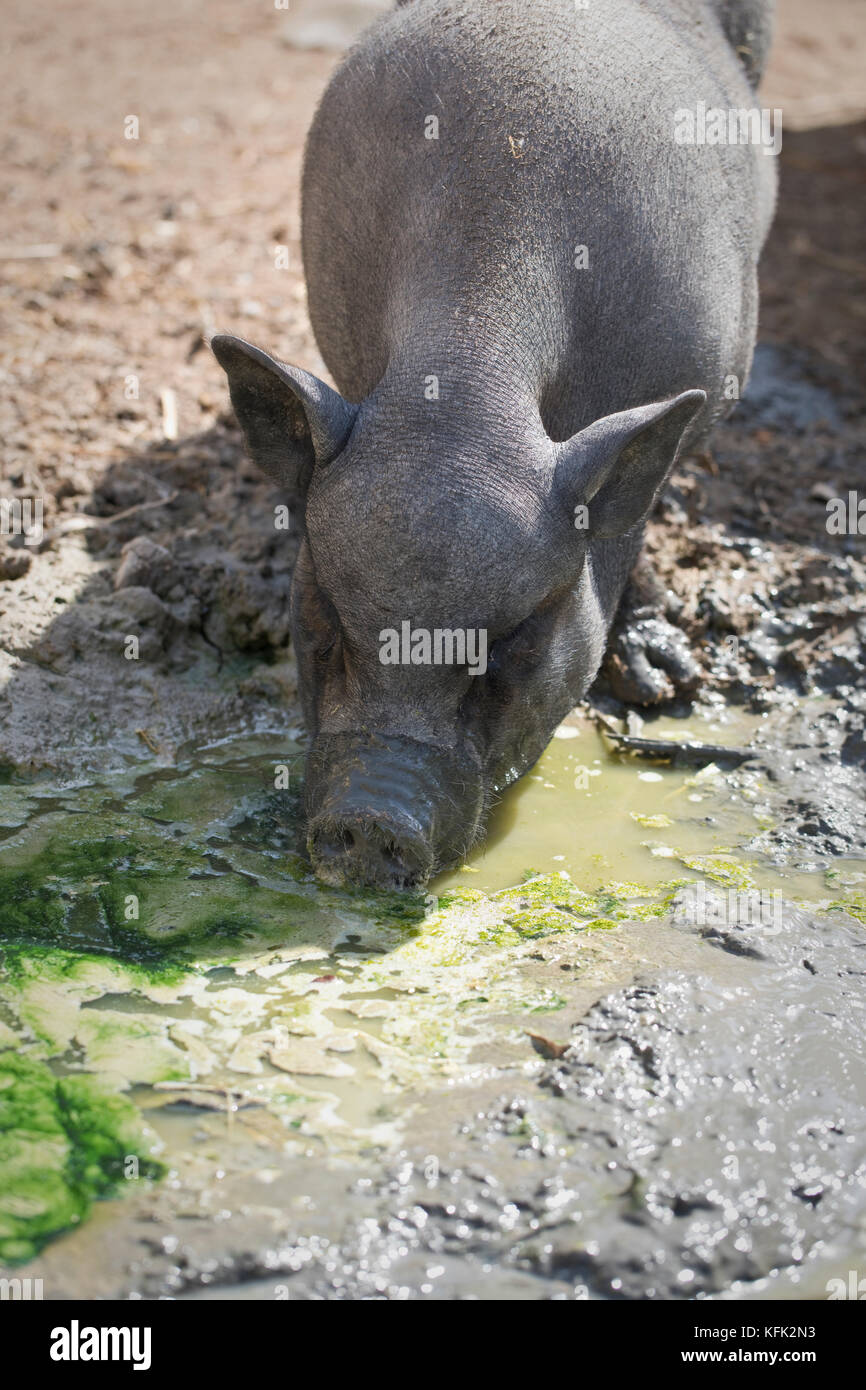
column 163, row 939
column 607, row 819
column 603, row 818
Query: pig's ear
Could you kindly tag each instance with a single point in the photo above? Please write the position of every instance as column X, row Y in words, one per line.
column 616, row 466
column 291, row 420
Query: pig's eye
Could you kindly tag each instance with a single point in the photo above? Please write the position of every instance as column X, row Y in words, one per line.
column 517, row 644
column 325, row 645
column 320, row 624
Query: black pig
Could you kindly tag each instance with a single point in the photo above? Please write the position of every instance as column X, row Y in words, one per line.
column 531, row 264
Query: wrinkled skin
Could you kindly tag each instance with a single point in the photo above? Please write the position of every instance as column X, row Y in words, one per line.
column 512, row 498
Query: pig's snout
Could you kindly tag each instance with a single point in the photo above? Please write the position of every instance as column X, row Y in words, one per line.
column 382, row 811
column 360, row 851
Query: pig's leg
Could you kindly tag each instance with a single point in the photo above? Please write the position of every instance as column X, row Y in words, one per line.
column 648, row 658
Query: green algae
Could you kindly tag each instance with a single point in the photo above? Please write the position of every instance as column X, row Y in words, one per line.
column 720, row 868
column 548, row 1003
column 158, row 905
column 77, row 895
column 854, row 903
column 652, row 822
column 540, row 921
column 65, row 1142
column 553, row 903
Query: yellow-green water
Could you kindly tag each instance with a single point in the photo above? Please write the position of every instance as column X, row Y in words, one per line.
column 603, row 817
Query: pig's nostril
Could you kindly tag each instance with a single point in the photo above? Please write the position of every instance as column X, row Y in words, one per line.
column 333, row 844
column 396, row 860
column 363, row 852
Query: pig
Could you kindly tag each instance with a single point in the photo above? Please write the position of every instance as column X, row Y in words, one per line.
column 532, row 283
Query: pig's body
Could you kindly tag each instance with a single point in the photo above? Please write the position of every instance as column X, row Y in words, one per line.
column 562, row 376
column 555, row 130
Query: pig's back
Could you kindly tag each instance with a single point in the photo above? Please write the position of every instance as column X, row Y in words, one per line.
column 555, row 131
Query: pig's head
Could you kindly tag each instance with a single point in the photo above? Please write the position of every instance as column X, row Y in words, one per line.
column 448, row 601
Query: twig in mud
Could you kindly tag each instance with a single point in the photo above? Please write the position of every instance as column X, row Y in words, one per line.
column 81, row 521
column 671, row 750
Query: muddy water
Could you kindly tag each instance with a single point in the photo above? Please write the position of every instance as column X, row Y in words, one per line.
column 601, row 818
column 165, row 941
column 604, row 818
